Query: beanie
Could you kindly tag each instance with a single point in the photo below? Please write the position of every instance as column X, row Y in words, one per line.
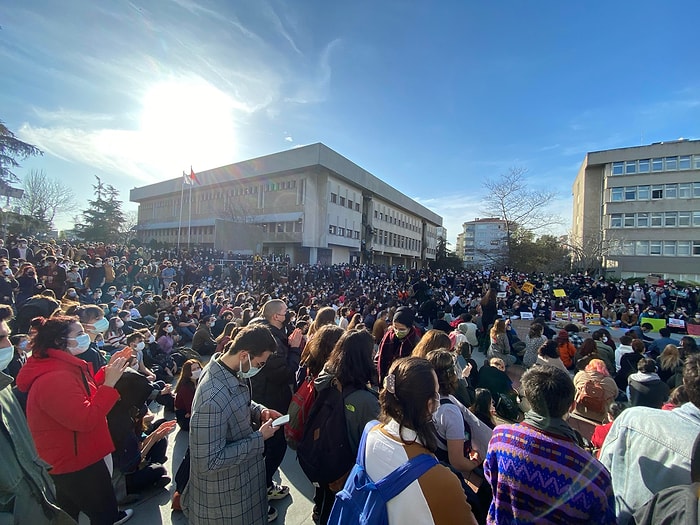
column 404, row 316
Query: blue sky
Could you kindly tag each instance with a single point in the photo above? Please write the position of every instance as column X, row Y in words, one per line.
column 432, row 97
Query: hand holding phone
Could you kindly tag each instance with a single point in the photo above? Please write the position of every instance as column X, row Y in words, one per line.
column 282, row 420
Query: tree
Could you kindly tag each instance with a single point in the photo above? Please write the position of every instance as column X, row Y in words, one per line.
column 523, row 209
column 104, row 219
column 587, row 256
column 444, row 258
column 546, row 254
column 45, row 198
column 12, row 150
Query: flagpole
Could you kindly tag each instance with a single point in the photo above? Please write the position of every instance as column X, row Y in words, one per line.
column 179, row 224
column 189, row 220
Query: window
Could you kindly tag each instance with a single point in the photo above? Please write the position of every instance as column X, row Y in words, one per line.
column 696, row 218
column 616, row 220
column 684, row 162
column 618, row 168
column 696, row 247
column 657, row 191
column 341, row 201
column 670, row 219
column 669, row 247
column 334, row 198
column 671, row 191
column 629, row 220
column 696, row 190
column 341, row 231
column 683, row 248
column 357, row 206
column 376, row 214
column 628, row 248
column 631, row 193
column 280, row 227
column 657, row 165
column 331, row 230
column 696, row 162
column 654, row 247
column 684, row 218
column 298, row 226
column 643, row 193
column 357, row 234
column 642, row 220
column 350, row 204
column 656, row 219
column 642, row 248
column 644, row 165
column 630, row 167
column 671, row 163
column 684, row 190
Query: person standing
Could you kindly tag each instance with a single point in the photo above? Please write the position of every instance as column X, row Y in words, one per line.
column 227, row 467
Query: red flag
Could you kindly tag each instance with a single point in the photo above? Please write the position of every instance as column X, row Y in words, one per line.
column 193, row 177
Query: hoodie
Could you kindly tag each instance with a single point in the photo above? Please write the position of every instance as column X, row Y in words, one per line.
column 67, row 410
column 647, row 390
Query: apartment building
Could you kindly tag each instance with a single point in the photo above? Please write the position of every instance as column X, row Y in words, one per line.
column 483, row 242
column 638, row 210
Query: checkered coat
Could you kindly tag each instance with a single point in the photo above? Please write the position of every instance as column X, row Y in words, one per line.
column 227, row 468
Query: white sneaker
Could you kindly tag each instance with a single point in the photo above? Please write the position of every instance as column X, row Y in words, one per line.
column 124, row 516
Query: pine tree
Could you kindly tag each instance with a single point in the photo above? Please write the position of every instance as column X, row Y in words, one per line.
column 103, row 220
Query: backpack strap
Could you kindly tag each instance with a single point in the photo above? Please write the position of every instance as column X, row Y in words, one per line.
column 396, row 482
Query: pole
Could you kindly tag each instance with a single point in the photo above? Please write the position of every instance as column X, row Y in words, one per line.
column 189, row 220
column 179, row 224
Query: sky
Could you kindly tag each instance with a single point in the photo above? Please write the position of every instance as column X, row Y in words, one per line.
column 432, row 97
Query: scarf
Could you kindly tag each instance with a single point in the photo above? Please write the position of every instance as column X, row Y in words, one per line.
column 552, row 425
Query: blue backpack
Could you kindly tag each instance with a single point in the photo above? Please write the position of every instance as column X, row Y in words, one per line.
column 362, row 501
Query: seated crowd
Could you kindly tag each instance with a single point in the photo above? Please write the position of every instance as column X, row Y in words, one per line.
column 98, row 336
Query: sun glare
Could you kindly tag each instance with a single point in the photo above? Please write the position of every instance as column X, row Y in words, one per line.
column 187, row 122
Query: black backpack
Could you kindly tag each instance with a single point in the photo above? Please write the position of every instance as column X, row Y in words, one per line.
column 324, row 451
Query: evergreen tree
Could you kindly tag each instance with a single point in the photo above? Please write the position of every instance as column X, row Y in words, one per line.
column 104, row 218
column 11, row 150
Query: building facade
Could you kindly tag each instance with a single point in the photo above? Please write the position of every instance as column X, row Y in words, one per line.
column 638, row 210
column 309, row 205
column 483, row 242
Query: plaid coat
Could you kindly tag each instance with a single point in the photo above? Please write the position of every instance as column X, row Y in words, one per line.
column 227, row 468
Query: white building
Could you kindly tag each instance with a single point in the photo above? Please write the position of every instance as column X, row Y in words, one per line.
column 484, row 242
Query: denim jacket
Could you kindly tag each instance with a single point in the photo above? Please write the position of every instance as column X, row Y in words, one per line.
column 648, row 450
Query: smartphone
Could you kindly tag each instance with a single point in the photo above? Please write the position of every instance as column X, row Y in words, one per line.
column 282, row 420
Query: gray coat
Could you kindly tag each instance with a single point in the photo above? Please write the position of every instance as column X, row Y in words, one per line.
column 227, row 468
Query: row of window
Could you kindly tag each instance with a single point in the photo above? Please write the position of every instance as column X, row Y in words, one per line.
column 682, row 190
column 342, row 201
column 393, row 219
column 400, row 241
column 282, row 227
column 343, row 232
column 659, row 164
column 668, row 219
column 666, row 248
column 172, row 232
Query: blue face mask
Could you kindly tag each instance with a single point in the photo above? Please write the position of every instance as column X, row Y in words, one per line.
column 6, row 355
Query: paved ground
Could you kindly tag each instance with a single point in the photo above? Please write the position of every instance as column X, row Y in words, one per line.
column 154, row 507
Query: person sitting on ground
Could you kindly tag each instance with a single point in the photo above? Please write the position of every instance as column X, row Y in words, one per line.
column 548, row 355
column 628, row 364
column 668, row 362
column 184, row 392
column 533, row 341
column 601, row 431
column 646, row 387
column 483, row 407
column 659, row 344
column 203, row 342
column 566, row 349
column 625, row 347
column 409, row 397
column 594, row 406
column 606, row 353
column 545, row 444
column 648, row 450
column 432, row 340
column 676, row 398
column 500, row 347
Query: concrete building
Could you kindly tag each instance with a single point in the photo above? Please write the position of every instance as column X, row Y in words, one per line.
column 309, row 204
column 638, row 210
column 484, row 242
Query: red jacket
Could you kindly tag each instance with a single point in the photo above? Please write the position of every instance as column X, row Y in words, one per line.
column 68, row 423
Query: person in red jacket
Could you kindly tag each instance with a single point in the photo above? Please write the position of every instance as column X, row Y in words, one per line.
column 184, row 392
column 66, row 413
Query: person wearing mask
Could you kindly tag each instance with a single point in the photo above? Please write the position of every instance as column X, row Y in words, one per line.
column 272, row 387
column 53, row 276
column 8, row 284
column 605, row 352
column 165, row 340
column 115, row 338
column 28, row 284
column 399, row 340
column 202, row 341
column 67, row 414
column 96, row 275
column 22, row 251
column 227, row 467
column 20, row 344
column 184, row 392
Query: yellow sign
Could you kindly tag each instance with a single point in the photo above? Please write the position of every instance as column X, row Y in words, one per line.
column 593, row 319
column 528, row 287
column 558, row 292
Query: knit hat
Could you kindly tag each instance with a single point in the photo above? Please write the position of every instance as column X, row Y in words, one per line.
column 562, row 336
column 404, row 316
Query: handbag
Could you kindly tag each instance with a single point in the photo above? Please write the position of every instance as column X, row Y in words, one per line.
column 507, row 408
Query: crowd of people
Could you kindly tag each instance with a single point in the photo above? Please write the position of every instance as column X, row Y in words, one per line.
column 95, row 333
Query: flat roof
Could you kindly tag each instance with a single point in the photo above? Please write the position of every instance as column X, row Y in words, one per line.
column 293, row 160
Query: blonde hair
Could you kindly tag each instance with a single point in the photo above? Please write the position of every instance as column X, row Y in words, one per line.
column 670, row 357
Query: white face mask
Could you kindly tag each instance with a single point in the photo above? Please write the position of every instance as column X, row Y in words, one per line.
column 152, row 338
column 101, row 325
column 82, row 344
column 6, row 355
column 140, row 345
column 196, row 373
column 169, row 329
column 252, row 371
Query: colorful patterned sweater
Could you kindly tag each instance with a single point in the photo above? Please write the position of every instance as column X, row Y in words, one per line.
column 542, row 478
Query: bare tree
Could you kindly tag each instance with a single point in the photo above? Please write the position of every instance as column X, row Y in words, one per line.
column 521, row 207
column 45, row 198
column 588, row 255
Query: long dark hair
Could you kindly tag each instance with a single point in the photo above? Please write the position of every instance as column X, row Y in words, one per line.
column 414, row 387
column 351, row 359
column 51, row 333
column 319, row 348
